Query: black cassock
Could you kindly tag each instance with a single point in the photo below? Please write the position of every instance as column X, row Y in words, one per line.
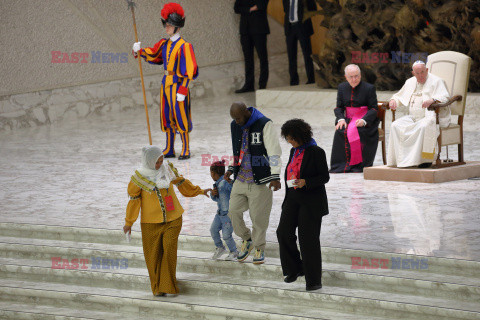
column 362, row 95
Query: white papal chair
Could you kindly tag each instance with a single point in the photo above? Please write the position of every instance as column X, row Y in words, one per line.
column 454, row 69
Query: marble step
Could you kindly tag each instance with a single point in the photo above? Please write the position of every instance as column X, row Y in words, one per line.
column 115, row 250
column 46, row 249
column 133, row 302
column 127, row 301
column 247, row 289
column 455, row 267
column 382, row 293
column 26, row 311
column 454, row 288
column 406, row 282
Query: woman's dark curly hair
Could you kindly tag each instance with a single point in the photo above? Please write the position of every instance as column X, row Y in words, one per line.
column 218, row 167
column 298, row 130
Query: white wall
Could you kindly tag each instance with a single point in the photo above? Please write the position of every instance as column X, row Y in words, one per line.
column 32, row 29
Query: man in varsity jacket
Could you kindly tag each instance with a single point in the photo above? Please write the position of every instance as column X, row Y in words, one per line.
column 257, row 162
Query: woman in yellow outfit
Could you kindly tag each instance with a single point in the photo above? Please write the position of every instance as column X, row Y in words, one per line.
column 151, row 191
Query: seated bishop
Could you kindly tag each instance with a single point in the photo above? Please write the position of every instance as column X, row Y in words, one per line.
column 356, row 125
column 413, row 138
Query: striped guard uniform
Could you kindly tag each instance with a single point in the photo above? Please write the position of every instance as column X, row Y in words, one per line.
column 180, row 66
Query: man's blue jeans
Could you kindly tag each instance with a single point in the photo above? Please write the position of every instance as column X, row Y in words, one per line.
column 223, row 223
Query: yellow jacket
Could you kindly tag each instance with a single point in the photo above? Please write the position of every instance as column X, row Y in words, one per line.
column 145, row 196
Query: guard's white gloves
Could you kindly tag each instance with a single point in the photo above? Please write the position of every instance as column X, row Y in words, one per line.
column 180, row 97
column 136, row 46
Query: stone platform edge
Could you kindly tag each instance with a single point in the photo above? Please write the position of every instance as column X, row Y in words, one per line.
column 430, row 175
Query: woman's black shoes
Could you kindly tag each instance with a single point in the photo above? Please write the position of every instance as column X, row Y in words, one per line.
column 293, row 277
column 315, row 287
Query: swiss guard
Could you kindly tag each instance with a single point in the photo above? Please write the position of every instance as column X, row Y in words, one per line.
column 180, row 67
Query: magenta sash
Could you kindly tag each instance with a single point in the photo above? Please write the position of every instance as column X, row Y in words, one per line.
column 352, row 134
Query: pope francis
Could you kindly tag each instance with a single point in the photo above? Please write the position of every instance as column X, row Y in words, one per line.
column 413, row 138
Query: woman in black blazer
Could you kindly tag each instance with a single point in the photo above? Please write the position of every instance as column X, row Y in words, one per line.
column 304, row 205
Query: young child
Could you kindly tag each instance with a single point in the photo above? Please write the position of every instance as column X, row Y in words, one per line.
column 221, row 195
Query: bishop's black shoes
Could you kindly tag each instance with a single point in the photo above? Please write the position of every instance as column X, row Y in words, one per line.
column 184, row 157
column 425, row 165
column 169, row 155
column 293, row 277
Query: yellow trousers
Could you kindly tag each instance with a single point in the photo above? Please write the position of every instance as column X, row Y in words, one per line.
column 160, row 241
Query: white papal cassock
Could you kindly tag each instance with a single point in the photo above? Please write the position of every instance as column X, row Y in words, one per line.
column 413, row 138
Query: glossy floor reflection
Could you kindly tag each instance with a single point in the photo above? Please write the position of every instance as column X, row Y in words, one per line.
column 76, row 174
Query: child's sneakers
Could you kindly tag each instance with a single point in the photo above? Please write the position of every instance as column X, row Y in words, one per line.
column 259, row 257
column 245, row 250
column 218, row 253
column 232, row 256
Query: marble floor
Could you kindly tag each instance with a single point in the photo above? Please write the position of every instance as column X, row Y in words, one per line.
column 75, row 173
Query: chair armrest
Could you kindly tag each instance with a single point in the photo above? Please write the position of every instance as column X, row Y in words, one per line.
column 436, row 105
column 382, row 107
column 381, row 111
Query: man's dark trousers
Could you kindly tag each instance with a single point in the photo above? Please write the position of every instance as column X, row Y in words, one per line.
column 259, row 42
column 295, row 34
